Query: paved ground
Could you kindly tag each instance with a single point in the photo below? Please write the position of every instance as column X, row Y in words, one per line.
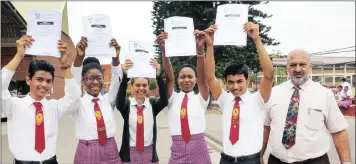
column 214, row 130
column 67, row 143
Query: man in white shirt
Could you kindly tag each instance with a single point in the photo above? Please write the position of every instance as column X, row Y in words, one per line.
column 33, row 120
column 242, row 135
column 344, row 83
column 298, row 112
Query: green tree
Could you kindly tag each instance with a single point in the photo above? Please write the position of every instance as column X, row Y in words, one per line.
column 203, row 14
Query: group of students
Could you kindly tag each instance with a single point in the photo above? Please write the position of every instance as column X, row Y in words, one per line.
column 33, row 120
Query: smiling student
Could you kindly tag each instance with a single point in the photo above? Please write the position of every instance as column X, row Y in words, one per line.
column 33, row 120
column 139, row 112
column 186, row 110
column 94, row 115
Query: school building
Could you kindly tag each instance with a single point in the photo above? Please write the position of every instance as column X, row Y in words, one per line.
column 326, row 70
column 13, row 25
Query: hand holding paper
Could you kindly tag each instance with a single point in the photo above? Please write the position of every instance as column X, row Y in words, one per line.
column 252, row 30
column 24, row 42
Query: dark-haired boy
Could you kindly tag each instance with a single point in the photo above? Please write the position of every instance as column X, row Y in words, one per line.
column 33, row 120
column 242, row 135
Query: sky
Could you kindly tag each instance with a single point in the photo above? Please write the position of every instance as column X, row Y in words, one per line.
column 313, row 26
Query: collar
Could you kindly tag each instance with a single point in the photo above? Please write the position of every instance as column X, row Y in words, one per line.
column 88, row 97
column 243, row 97
column 133, row 102
column 189, row 94
column 303, row 87
column 29, row 100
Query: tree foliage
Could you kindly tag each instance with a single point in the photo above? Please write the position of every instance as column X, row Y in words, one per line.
column 203, row 14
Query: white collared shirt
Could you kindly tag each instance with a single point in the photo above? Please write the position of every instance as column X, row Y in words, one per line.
column 84, row 116
column 21, row 119
column 252, row 113
column 147, row 122
column 195, row 109
column 317, row 110
column 344, row 84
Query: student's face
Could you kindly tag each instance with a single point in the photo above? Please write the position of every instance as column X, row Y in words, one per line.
column 339, row 89
column 93, row 82
column 139, row 88
column 40, row 84
column 237, row 84
column 346, row 89
column 186, row 79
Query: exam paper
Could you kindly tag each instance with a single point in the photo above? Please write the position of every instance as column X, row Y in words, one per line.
column 229, row 20
column 45, row 27
column 97, row 29
column 181, row 40
column 140, row 56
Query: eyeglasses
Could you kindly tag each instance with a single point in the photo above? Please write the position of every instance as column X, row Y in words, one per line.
column 92, row 79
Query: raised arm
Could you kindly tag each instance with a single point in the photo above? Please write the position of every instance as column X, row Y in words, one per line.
column 72, row 92
column 78, row 61
column 9, row 70
column 266, row 64
column 209, row 65
column 122, row 103
column 162, row 101
column 202, row 84
column 167, row 66
column 116, row 74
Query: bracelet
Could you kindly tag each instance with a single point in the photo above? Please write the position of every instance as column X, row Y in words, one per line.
column 65, row 66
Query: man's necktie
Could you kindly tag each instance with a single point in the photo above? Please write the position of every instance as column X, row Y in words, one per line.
column 40, row 133
column 290, row 127
column 140, row 129
column 235, row 122
column 100, row 123
column 184, row 124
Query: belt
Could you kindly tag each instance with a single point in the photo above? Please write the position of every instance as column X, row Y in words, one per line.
column 305, row 161
column 240, row 158
column 52, row 160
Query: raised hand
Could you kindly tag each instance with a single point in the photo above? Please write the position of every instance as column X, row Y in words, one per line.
column 209, row 34
column 127, row 65
column 199, row 40
column 81, row 46
column 252, row 30
column 63, row 49
column 22, row 43
column 156, row 65
column 160, row 40
column 113, row 43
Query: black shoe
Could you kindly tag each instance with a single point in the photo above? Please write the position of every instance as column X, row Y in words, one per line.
column 3, row 119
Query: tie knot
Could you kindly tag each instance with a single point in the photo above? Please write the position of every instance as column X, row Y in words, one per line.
column 237, row 98
column 140, row 108
column 296, row 87
column 37, row 104
column 95, row 100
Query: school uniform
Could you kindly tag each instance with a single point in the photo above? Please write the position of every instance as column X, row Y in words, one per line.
column 33, row 125
column 186, row 121
column 96, row 124
column 140, row 129
column 242, row 120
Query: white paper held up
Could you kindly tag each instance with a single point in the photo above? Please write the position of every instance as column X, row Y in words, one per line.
column 140, row 56
column 45, row 27
column 229, row 20
column 97, row 29
column 181, row 40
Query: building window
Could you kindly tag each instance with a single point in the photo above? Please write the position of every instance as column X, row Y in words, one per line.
column 19, row 88
column 317, row 79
